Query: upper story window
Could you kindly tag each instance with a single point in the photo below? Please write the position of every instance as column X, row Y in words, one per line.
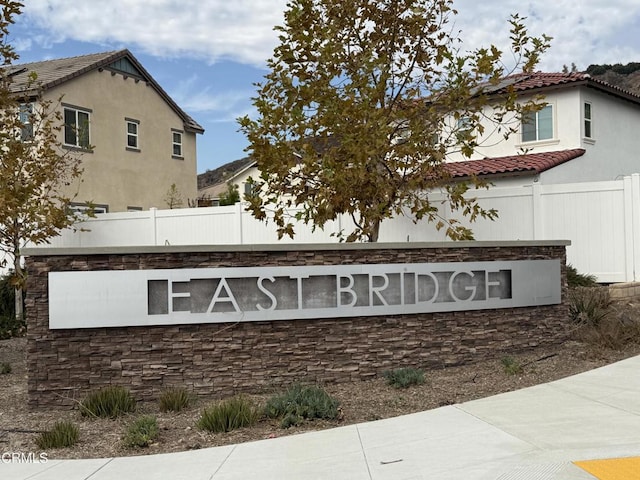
column 588, row 121
column 132, row 134
column 538, row 125
column 176, row 142
column 463, row 129
column 76, row 127
column 26, row 118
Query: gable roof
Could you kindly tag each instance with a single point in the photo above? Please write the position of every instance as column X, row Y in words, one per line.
column 539, row 82
column 531, row 163
column 52, row 73
column 225, row 173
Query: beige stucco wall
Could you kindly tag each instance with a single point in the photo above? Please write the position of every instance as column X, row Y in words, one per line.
column 113, row 175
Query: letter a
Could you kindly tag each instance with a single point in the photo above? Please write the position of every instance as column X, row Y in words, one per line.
column 229, row 298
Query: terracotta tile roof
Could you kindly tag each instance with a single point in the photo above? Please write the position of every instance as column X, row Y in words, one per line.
column 51, row 73
column 536, row 81
column 514, row 164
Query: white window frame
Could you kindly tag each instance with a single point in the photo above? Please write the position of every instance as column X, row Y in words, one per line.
column 536, row 122
column 177, row 145
column 587, row 120
column 132, row 135
column 77, row 134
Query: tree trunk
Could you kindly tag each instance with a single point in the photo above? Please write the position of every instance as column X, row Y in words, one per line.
column 19, row 304
column 375, row 232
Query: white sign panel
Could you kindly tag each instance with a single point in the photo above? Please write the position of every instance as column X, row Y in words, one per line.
column 117, row 298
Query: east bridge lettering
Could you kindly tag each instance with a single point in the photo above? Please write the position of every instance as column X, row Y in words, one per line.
column 300, row 290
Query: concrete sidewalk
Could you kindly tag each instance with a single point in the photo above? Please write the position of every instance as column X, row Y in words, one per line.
column 534, row 433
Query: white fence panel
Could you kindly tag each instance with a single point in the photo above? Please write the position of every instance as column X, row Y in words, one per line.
column 593, row 217
column 602, row 220
column 199, row 226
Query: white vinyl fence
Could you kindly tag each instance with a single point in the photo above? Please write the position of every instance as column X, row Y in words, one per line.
column 602, row 220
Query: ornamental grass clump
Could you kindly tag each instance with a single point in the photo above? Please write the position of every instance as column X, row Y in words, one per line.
column 404, row 377
column 62, row 434
column 174, row 400
column 230, row 414
column 141, row 433
column 108, row 402
column 299, row 403
column 511, row 365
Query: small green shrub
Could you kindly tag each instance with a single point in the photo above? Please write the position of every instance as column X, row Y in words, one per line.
column 10, row 326
column 108, row 402
column 511, row 365
column 230, row 414
column 63, row 434
column 301, row 402
column 141, row 433
column 404, row 377
column 174, row 400
column 589, row 305
column 575, row 279
column 5, row 368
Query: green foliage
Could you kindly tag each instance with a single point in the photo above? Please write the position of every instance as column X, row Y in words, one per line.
column 10, row 326
column 174, row 400
column 108, row 402
column 404, row 377
column 299, row 402
column 589, row 305
column 231, row 196
column 230, row 414
column 361, row 107
column 35, row 174
column 575, row 279
column 5, row 368
column 63, row 434
column 141, row 433
column 511, row 365
column 617, row 68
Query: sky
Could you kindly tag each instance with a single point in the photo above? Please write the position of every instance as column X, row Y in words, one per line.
column 208, row 54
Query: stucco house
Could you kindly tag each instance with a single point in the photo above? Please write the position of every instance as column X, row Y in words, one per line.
column 135, row 141
column 586, row 132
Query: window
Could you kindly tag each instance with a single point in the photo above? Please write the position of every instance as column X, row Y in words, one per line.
column 464, row 129
column 83, row 207
column 26, row 116
column 132, row 133
column 588, row 127
column 538, row 125
column 176, row 143
column 76, row 127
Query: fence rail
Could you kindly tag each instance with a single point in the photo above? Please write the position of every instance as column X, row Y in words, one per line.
column 602, row 220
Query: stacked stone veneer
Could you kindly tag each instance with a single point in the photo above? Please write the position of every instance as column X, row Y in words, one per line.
column 223, row 359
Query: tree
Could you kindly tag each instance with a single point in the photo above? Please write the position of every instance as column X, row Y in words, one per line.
column 364, row 102
column 173, row 197
column 34, row 169
column 231, row 196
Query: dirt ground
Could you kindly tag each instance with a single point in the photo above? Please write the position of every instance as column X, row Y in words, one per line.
column 359, row 401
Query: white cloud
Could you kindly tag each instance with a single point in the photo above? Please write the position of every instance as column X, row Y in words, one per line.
column 584, row 32
column 241, row 30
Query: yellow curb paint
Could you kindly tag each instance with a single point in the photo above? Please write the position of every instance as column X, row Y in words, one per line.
column 612, row 468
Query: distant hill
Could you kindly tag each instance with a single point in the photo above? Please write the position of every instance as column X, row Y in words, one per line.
column 626, row 76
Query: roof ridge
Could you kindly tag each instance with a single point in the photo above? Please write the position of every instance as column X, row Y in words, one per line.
column 75, row 57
